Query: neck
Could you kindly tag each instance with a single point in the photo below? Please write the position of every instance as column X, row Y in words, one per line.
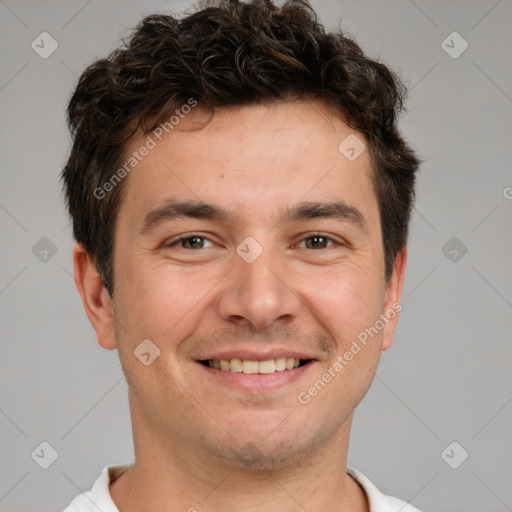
column 172, row 475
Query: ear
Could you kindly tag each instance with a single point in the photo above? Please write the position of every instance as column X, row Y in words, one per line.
column 392, row 305
column 95, row 298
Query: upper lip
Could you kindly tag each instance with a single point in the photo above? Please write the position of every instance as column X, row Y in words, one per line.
column 253, row 355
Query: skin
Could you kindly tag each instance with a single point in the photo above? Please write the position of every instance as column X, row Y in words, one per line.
column 198, row 442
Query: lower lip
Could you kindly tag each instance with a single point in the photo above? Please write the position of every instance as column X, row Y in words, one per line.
column 257, row 382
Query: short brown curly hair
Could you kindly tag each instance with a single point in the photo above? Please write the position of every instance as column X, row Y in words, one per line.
column 229, row 53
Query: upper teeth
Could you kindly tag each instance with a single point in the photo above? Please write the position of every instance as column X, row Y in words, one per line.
column 248, row 366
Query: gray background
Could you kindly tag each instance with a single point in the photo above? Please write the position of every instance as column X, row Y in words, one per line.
column 448, row 375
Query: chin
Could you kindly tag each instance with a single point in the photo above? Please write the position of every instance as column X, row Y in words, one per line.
column 267, row 449
column 252, row 457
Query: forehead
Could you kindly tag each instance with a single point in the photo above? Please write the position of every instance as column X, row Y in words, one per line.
column 252, row 160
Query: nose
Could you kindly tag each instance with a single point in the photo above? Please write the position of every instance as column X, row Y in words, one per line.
column 258, row 294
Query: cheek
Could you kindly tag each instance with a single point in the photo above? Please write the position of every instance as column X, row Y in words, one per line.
column 162, row 300
column 343, row 300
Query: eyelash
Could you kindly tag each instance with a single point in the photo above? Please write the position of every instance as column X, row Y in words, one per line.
column 198, row 235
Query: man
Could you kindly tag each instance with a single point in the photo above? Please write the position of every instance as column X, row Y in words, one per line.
column 240, row 198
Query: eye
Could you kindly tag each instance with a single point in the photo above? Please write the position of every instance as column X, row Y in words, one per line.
column 191, row 242
column 317, row 242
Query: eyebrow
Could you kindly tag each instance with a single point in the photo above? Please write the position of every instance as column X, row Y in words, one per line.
column 337, row 210
column 173, row 209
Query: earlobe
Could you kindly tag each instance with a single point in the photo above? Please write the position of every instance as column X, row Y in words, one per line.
column 95, row 298
column 392, row 304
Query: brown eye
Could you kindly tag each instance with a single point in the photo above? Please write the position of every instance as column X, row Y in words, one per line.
column 190, row 242
column 193, row 242
column 317, row 242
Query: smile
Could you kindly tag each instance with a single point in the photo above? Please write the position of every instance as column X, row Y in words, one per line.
column 252, row 367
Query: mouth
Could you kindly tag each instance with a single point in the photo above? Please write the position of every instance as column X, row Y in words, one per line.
column 254, row 367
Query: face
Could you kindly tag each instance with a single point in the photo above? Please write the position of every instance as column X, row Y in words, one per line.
column 250, row 244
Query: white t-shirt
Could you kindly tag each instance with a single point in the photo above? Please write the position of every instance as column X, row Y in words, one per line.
column 98, row 498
